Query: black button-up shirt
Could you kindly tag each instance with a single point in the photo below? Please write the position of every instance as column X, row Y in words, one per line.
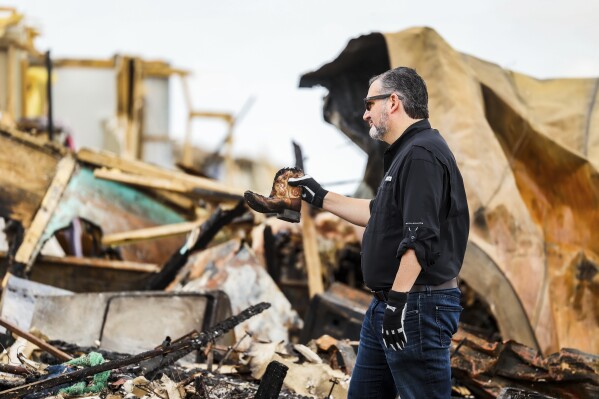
column 420, row 204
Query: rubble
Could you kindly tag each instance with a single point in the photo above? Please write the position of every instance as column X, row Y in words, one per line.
column 136, row 280
column 487, row 368
column 528, row 156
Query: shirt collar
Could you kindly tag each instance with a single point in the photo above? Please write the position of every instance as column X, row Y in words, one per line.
column 412, row 130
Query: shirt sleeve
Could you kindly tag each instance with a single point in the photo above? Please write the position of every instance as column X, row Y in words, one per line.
column 421, row 197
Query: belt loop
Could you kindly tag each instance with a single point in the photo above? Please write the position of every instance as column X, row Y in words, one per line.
column 428, row 290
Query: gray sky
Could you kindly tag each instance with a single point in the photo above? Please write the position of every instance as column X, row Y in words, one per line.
column 240, row 49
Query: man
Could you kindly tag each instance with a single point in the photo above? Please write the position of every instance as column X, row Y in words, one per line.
column 413, row 246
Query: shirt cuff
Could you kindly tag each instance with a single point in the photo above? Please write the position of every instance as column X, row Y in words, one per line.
column 423, row 242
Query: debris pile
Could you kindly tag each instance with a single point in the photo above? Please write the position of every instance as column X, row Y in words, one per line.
column 123, row 279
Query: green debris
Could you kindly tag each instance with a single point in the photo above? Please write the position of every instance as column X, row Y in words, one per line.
column 99, row 381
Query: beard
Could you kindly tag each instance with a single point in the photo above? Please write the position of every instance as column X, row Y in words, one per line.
column 379, row 131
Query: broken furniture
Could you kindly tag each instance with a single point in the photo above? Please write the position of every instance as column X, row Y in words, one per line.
column 337, row 312
column 129, row 322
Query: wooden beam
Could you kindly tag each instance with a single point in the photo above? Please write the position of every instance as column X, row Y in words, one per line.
column 145, row 169
column 60, row 355
column 10, row 92
column 84, row 63
column 142, row 181
column 161, row 69
column 99, row 263
column 313, row 265
column 227, row 117
column 40, row 143
column 156, row 138
column 177, row 199
column 150, row 233
column 24, row 65
column 32, row 242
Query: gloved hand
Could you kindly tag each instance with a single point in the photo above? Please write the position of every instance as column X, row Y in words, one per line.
column 394, row 334
column 312, row 192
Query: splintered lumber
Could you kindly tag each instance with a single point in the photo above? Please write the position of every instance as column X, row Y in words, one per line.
column 168, row 184
column 195, row 341
column 142, row 181
column 149, row 233
column 199, row 185
column 32, row 242
column 99, row 263
column 313, row 264
column 35, row 340
column 198, row 241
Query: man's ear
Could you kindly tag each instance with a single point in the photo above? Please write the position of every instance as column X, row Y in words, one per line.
column 396, row 104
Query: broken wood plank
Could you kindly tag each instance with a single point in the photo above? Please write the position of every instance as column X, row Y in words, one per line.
column 100, row 275
column 10, row 92
column 35, row 340
column 167, row 184
column 17, row 370
column 142, row 181
column 196, row 341
column 178, row 200
column 145, row 169
column 149, row 233
column 32, row 242
column 313, row 264
column 100, row 263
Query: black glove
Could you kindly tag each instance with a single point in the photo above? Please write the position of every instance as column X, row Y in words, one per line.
column 312, row 192
column 394, row 334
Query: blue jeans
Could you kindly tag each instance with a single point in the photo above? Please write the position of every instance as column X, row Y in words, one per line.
column 422, row 369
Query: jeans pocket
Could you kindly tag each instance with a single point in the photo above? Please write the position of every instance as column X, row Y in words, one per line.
column 447, row 317
column 412, row 328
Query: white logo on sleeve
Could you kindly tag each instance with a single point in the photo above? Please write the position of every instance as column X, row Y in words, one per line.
column 388, row 178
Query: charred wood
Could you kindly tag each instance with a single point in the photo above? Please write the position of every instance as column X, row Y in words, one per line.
column 208, row 230
column 270, row 255
column 185, row 346
column 14, row 235
column 272, row 381
column 17, row 370
column 485, row 368
column 35, row 340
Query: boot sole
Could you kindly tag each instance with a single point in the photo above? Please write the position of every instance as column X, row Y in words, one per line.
column 287, row 215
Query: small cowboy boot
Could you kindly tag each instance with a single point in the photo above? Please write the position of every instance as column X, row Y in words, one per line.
column 284, row 201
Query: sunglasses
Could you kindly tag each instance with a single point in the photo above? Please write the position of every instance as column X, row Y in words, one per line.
column 369, row 101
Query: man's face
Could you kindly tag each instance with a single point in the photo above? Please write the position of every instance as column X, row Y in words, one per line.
column 376, row 113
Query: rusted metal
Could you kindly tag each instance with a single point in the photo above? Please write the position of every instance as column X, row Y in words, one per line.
column 230, row 350
column 335, row 382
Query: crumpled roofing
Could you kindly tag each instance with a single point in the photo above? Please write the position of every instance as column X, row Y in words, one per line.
column 528, row 150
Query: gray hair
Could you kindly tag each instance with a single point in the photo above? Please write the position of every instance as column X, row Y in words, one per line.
column 410, row 88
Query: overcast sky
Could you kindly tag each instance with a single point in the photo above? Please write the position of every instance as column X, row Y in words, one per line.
column 257, row 48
